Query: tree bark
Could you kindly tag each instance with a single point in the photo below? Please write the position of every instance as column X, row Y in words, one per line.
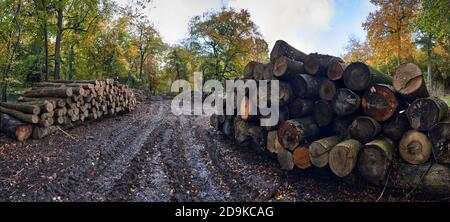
column 323, row 113
column 359, row 76
column 273, row 145
column 346, row 102
column 15, row 128
column 408, row 81
column 375, row 159
column 317, row 64
column 292, row 132
column 25, row 108
column 62, row 92
column 300, row 108
column 286, row 160
column 59, row 33
column 341, row 125
column 343, row 157
column 415, row 147
column 395, row 127
column 286, row 68
column 439, row 137
column 282, row 48
column 364, row 129
column 306, row 86
column 21, row 116
column 380, row 102
column 336, row 70
column 319, row 150
column 424, row 113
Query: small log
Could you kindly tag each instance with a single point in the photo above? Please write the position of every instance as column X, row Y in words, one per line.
column 359, row 76
column 439, row 136
column 286, row 68
column 292, row 132
column 380, row 102
column 409, row 82
column 301, row 157
column 343, row 157
column 395, row 127
column 319, row 150
column 300, row 108
column 15, row 128
column 375, row 159
column 273, row 145
column 346, row 102
column 327, row 90
column 282, row 48
column 286, row 160
column 364, row 129
column 44, row 106
column 306, row 86
column 323, row 113
column 25, row 108
column 424, row 113
column 29, row 118
column 317, row 64
column 62, row 92
column 415, row 147
column 336, row 70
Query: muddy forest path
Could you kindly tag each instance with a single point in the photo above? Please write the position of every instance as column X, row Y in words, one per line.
column 152, row 155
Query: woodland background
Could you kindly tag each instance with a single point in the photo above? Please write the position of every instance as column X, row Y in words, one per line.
column 94, row 39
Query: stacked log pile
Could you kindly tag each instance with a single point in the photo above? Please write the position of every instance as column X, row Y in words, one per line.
column 350, row 117
column 60, row 104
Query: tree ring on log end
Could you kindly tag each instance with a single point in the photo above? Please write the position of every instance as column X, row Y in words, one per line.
column 357, row 76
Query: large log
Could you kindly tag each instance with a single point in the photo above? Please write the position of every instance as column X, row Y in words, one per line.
column 15, row 128
column 282, row 48
column 336, row 70
column 346, row 102
column 25, row 108
column 424, row 113
column 359, row 76
column 380, row 102
column 61, row 92
column 41, row 132
column 301, row 157
column 286, row 68
column 300, row 108
column 323, row 113
column 29, row 118
column 341, row 125
column 395, row 127
column 249, row 69
column 57, row 102
column 292, row 132
column 375, row 159
column 306, row 86
column 364, row 129
column 343, row 157
column 317, row 64
column 318, row 150
column 273, row 145
column 282, row 117
column 286, row 160
column 327, row 90
column 415, row 147
column 409, row 82
column 439, row 137
column 44, row 106
column 285, row 94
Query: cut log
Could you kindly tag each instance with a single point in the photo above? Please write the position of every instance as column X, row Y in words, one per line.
column 327, row 90
column 95, row 82
column 248, row 110
column 395, row 127
column 358, row 77
column 286, row 160
column 285, row 94
column 282, row 48
column 258, row 136
column 380, row 102
column 29, row 118
column 300, row 108
column 364, row 129
column 346, row 102
column 292, row 132
column 319, row 150
column 15, row 128
column 317, row 64
column 306, row 86
column 41, row 132
column 323, row 113
column 415, row 147
column 375, row 159
column 241, row 131
column 301, row 157
column 228, row 127
column 282, row 117
column 44, row 106
column 424, row 113
column 409, row 82
column 249, row 68
column 286, row 68
column 273, row 145
column 336, row 70
column 258, row 71
column 439, row 137
column 343, row 157
column 341, row 125
column 62, row 92
column 25, row 108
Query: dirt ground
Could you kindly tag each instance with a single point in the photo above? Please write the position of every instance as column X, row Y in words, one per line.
column 152, row 155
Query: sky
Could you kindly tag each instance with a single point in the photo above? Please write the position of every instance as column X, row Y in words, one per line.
column 322, row 26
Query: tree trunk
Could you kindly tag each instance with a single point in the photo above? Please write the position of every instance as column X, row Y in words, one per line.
column 292, row 132
column 301, row 157
column 336, row 70
column 273, row 145
column 286, row 68
column 44, row 5
column 424, row 113
column 281, row 48
column 62, row 92
column 300, row 108
column 323, row 113
column 20, row 115
column 364, row 129
column 375, row 159
column 59, row 33
column 285, row 159
column 408, row 81
column 25, row 108
column 415, row 147
column 346, row 102
column 429, row 61
column 359, row 76
column 439, row 137
column 15, row 128
column 306, row 86
column 395, row 127
column 317, row 64
column 343, row 157
column 327, row 90
column 319, row 150
column 380, row 102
